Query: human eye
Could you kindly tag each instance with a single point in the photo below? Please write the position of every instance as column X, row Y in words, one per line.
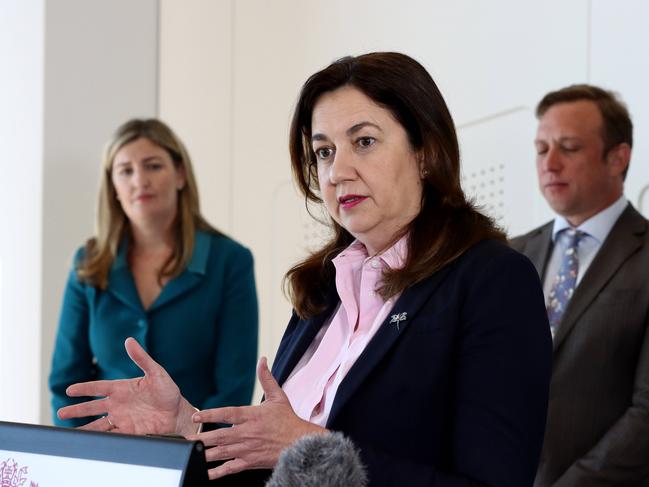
column 365, row 141
column 323, row 153
column 153, row 164
column 541, row 149
column 124, row 170
column 570, row 147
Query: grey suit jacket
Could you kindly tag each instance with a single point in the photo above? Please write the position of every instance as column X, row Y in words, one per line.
column 597, row 432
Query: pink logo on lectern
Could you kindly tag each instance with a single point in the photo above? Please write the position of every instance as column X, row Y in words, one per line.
column 12, row 476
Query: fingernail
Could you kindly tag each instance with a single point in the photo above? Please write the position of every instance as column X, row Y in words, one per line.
column 196, row 418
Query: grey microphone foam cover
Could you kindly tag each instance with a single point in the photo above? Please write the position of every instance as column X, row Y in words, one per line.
column 320, row 460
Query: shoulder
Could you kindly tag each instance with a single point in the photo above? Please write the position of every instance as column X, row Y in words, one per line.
column 489, row 264
column 494, row 263
column 631, row 220
column 222, row 245
column 519, row 242
column 84, row 251
column 79, row 255
column 78, row 259
column 216, row 251
column 489, row 252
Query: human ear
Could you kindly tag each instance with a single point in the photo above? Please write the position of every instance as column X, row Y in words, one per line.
column 618, row 158
column 181, row 179
column 424, row 172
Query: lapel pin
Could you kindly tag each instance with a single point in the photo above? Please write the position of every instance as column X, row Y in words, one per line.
column 398, row 318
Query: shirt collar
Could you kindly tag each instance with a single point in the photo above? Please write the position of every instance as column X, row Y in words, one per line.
column 394, row 257
column 597, row 226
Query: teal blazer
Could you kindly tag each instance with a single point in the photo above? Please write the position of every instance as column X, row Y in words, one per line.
column 202, row 328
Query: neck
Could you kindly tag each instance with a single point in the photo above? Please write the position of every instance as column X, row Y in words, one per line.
column 576, row 220
column 376, row 248
column 152, row 238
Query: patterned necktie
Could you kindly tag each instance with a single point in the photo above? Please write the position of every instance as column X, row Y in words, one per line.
column 565, row 282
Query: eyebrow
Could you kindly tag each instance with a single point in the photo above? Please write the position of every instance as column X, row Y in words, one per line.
column 350, row 131
column 151, row 158
column 564, row 138
column 146, row 159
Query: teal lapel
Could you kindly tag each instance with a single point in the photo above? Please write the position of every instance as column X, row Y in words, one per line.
column 191, row 276
column 120, row 280
column 122, row 286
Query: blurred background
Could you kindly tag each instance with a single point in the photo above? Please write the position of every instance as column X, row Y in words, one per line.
column 225, row 75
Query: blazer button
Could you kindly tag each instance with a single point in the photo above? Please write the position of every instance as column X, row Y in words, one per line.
column 141, row 323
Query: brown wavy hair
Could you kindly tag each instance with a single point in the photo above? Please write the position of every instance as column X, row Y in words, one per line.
column 448, row 223
column 111, row 224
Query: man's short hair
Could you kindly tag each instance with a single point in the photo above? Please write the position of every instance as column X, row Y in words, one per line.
column 617, row 128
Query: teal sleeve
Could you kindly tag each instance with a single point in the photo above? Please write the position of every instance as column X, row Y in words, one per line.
column 72, row 358
column 237, row 332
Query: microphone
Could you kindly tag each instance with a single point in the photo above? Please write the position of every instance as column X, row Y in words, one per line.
column 319, row 460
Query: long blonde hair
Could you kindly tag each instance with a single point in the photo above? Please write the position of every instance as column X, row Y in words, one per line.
column 111, row 224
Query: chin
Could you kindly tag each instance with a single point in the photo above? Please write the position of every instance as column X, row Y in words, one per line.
column 559, row 205
column 356, row 228
column 565, row 211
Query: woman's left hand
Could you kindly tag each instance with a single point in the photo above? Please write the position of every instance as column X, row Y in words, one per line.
column 258, row 433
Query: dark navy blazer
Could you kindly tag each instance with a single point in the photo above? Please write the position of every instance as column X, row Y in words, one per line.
column 456, row 395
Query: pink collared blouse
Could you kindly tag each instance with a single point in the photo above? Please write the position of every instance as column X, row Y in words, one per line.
column 311, row 387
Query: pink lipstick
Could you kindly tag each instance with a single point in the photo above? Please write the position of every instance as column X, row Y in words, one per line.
column 350, row 200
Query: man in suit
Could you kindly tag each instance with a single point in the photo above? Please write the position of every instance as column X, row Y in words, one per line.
column 593, row 260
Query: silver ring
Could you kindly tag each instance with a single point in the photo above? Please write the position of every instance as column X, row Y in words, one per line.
column 109, row 421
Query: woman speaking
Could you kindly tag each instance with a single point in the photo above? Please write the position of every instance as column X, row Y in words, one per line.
column 417, row 332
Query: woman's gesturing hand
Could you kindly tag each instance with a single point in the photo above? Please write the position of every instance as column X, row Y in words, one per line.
column 258, row 433
column 145, row 405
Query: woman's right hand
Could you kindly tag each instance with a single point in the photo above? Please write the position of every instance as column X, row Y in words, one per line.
column 145, row 405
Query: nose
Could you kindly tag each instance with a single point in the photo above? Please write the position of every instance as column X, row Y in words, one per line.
column 140, row 177
column 342, row 167
column 551, row 161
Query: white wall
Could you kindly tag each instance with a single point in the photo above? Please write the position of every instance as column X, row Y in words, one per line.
column 195, row 87
column 225, row 74
column 619, row 60
column 73, row 70
column 492, row 60
column 21, row 140
column 101, row 68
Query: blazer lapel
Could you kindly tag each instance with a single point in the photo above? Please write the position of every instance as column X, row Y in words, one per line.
column 177, row 286
column 299, row 342
column 407, row 306
column 624, row 240
column 120, row 281
column 122, row 287
column 538, row 248
column 191, row 276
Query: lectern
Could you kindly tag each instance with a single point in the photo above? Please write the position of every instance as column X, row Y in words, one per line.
column 39, row 456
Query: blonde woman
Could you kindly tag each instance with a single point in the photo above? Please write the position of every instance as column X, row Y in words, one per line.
column 158, row 271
